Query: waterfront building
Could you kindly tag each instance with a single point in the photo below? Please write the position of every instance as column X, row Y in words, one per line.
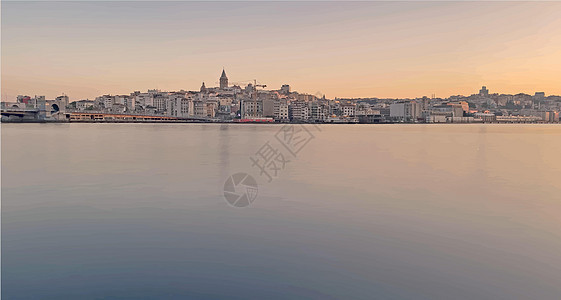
column 318, row 111
column 252, row 108
column 405, row 111
column 298, row 110
column 130, row 102
column 280, row 110
column 348, row 110
column 437, row 116
column 211, row 108
column 178, row 106
column 453, row 110
column 105, row 101
column 161, row 103
column 199, row 108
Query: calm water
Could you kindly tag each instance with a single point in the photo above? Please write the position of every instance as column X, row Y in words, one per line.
column 136, row 211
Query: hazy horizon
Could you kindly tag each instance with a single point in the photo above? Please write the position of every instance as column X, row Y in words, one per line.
column 341, row 49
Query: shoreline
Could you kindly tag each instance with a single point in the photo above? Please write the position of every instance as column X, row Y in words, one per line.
column 261, row 123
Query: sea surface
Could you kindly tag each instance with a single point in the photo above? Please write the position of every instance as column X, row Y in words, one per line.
column 137, row 211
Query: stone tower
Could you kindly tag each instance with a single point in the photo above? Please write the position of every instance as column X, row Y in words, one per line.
column 223, row 80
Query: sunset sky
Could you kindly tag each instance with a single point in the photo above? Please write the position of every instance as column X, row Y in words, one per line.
column 340, row 49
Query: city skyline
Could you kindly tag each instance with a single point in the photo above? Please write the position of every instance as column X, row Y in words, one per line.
column 345, row 50
column 223, row 82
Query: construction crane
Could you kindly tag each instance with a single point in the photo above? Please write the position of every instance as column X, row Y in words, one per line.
column 255, row 86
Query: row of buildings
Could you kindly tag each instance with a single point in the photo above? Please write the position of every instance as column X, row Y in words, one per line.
column 224, row 103
column 480, row 107
column 254, row 103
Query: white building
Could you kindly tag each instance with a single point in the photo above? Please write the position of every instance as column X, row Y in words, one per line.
column 179, row 106
column 318, row 111
column 161, row 103
column 348, row 110
column 105, row 101
column 199, row 109
column 280, row 109
column 298, row 110
column 130, row 102
column 405, row 111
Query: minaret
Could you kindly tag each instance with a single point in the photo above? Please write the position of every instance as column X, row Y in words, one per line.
column 223, row 80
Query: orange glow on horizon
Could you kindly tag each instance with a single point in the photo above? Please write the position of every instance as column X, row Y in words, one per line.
column 345, row 50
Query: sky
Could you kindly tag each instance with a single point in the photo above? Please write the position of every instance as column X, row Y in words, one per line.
column 341, row 49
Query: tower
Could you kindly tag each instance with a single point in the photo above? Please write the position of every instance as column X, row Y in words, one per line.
column 223, row 80
column 203, row 88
